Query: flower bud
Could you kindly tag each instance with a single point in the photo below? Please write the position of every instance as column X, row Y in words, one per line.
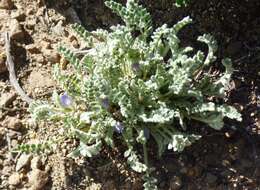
column 66, row 100
column 119, row 127
column 105, row 103
column 136, row 67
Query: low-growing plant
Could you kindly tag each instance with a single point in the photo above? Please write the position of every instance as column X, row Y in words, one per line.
column 136, row 84
column 180, row 3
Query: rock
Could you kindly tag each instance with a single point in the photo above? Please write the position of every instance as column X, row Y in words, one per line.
column 7, row 98
column 14, row 143
column 38, row 179
column 39, row 79
column 36, row 163
column 51, row 55
column 13, row 123
column 18, row 15
column 32, row 48
column 94, row 186
column 58, row 29
column 175, row 183
column 3, row 67
column 45, row 45
column 14, row 179
column 30, row 24
column 6, row 170
column 16, row 31
column 6, row 4
column 23, row 161
column 2, row 133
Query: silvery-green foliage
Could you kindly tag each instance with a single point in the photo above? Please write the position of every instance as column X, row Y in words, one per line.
column 180, row 3
column 134, row 82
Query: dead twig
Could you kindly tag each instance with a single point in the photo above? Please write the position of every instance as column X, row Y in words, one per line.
column 10, row 66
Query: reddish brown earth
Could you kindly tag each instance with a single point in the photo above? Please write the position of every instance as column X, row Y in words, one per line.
column 226, row 159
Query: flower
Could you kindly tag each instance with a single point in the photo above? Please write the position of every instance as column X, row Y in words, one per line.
column 119, row 127
column 105, row 102
column 66, row 100
column 136, row 67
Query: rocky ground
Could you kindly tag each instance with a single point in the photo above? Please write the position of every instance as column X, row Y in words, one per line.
column 226, row 159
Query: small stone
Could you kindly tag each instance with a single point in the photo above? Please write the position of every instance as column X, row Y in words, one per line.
column 2, row 134
column 7, row 98
column 30, row 24
column 13, row 123
column 29, row 11
column 16, row 31
column 94, row 186
column 32, row 48
column 40, row 59
column 45, row 45
column 59, row 28
column 51, row 55
column 6, row 4
column 39, row 79
column 36, row 162
column 14, row 179
column 6, row 170
column 175, row 183
column 14, row 143
column 23, row 161
column 18, row 15
column 38, row 179
column 3, row 67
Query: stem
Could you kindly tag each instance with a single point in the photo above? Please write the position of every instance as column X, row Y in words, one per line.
column 145, row 155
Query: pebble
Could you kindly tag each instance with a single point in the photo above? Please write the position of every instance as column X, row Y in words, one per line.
column 6, row 4
column 38, row 179
column 2, row 133
column 30, row 24
column 175, row 183
column 3, row 67
column 23, row 161
column 14, row 179
column 36, row 162
column 45, row 45
column 16, row 31
column 7, row 98
column 13, row 123
column 18, row 15
column 32, row 48
column 51, row 55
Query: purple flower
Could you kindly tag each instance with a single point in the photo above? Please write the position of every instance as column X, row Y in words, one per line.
column 105, row 103
column 66, row 100
column 146, row 133
column 119, row 127
column 136, row 67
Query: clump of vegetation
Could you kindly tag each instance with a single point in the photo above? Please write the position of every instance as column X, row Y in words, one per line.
column 136, row 84
column 180, row 3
